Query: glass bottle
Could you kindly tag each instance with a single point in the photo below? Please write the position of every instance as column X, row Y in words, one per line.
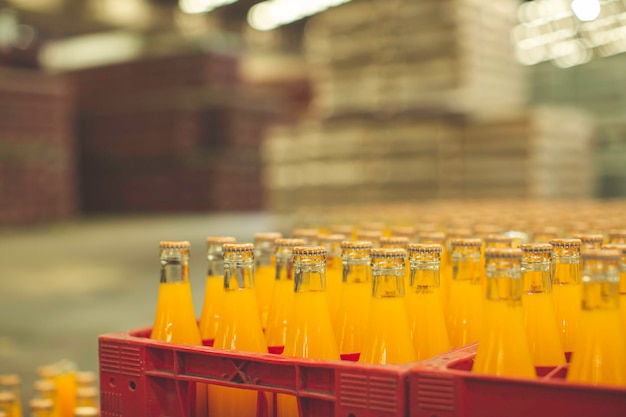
column 388, row 339
column 466, row 296
column 41, row 407
column 239, row 329
column 590, row 241
column 334, row 270
column 87, row 397
column 282, row 297
column 492, row 241
column 214, row 288
column 617, row 236
column 566, row 288
column 351, row 323
column 503, row 348
column 11, row 383
column 7, row 402
column 622, row 278
column 446, row 266
column 264, row 272
column 426, row 318
column 539, row 318
column 309, row 331
column 599, row 355
column 45, row 389
column 400, row 242
column 86, row 379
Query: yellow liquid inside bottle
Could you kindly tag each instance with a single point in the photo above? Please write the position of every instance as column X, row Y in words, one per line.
column 334, row 275
column 16, row 409
column 210, row 317
column 278, row 315
column 464, row 321
column 567, row 310
column 175, row 321
column 239, row 329
column 503, row 348
column 388, row 338
column 445, row 281
column 264, row 278
column 66, row 394
column 622, row 310
column 542, row 330
column 428, row 325
column 351, row 323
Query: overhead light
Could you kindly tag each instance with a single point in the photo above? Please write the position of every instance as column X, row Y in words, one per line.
column 202, row 6
column 271, row 14
column 586, row 10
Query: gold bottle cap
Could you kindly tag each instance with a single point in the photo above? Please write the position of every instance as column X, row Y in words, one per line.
column 86, row 377
column 40, row 404
column 535, row 247
column 466, row 243
column 566, row 243
column 393, row 253
column 238, row 247
column 497, row 238
column 86, row 392
column 288, row 242
column 332, row 238
column 220, row 240
column 175, row 245
column 503, row 253
column 48, row 371
column 425, row 248
column 615, row 246
column 432, row 236
column 10, row 380
column 617, row 233
column 600, row 255
column 590, row 238
column 86, row 412
column 309, row 250
column 7, row 397
column 44, row 385
column 342, row 229
column 305, row 233
column 459, row 233
column 369, row 234
column 356, row 244
column 267, row 236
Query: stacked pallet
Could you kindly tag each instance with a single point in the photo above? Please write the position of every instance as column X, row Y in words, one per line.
column 172, row 134
column 37, row 149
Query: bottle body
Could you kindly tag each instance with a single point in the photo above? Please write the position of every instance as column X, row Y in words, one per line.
column 11, row 383
column 264, row 272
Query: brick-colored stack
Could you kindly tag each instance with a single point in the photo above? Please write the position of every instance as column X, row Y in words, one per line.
column 37, row 149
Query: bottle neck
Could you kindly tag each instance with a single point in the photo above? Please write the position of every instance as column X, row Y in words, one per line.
column 466, row 264
column 284, row 264
column 263, row 253
column 309, row 274
column 356, row 267
column 600, row 285
column 566, row 266
column 238, row 271
column 174, row 265
column 425, row 271
column 215, row 260
column 536, row 275
column 504, row 281
column 388, row 278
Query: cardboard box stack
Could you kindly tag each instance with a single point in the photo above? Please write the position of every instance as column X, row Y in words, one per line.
column 37, row 149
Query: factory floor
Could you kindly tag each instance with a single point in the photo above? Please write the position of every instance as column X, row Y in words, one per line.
column 62, row 285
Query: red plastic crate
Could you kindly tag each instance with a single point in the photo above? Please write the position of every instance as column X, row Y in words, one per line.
column 444, row 387
column 140, row 377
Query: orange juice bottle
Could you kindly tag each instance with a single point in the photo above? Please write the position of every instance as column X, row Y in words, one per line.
column 489, row 242
column 425, row 307
column 214, row 289
column 309, row 332
column 401, row 242
column 65, row 383
column 599, row 355
column 11, row 383
column 590, row 240
column 466, row 296
column 41, row 407
column 87, row 397
column 7, row 403
column 370, row 236
column 445, row 268
column 539, row 318
column 282, row 297
column 617, row 236
column 239, row 329
column 566, row 289
column 388, row 338
column 264, row 272
column 45, row 389
column 352, row 317
column 334, row 271
column 622, row 278
column 310, row 236
column 503, row 348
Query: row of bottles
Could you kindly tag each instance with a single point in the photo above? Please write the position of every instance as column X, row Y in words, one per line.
column 60, row 391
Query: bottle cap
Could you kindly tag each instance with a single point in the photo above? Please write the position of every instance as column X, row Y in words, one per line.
column 267, row 236
column 394, row 253
column 466, row 243
column 426, row 227
column 86, row 412
column 565, row 243
column 10, row 380
column 590, row 238
column 616, row 246
column 175, row 245
column 220, row 240
column 40, row 404
column 332, row 238
column 425, row 248
column 86, row 392
column 547, row 230
column 432, row 237
column 305, row 233
column 536, row 247
column 394, row 240
column 498, row 238
column 459, row 233
column 48, row 371
column 601, row 255
column 309, row 250
column 288, row 243
column 617, row 234
column 356, row 244
column 238, row 247
column 487, row 229
column 407, row 231
column 44, row 385
column 86, row 377
column 7, row 396
column 503, row 253
column 342, row 229
column 369, row 234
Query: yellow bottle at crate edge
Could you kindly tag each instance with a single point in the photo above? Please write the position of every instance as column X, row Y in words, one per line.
column 425, row 307
column 239, row 329
column 503, row 348
column 214, row 288
column 539, row 318
column 175, row 320
column 622, row 279
column 309, row 332
column 264, row 271
column 388, row 338
column 599, row 355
